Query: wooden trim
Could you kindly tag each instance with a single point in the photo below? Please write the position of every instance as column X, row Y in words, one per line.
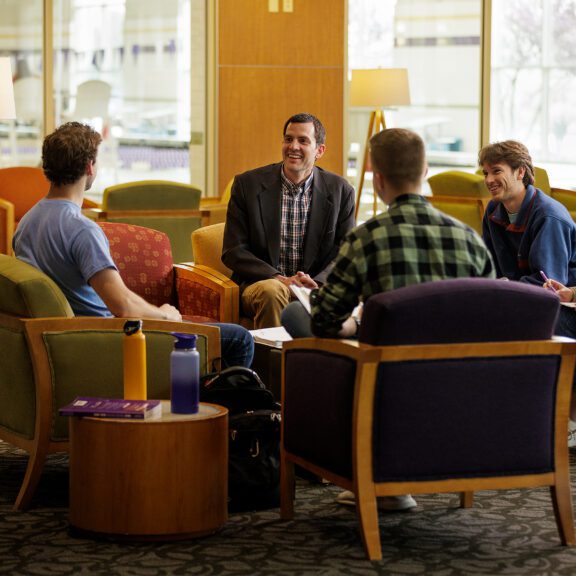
column 48, row 66
column 485, row 72
column 178, row 213
column 6, row 226
column 227, row 289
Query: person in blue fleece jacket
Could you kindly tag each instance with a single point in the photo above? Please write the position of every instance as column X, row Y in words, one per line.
column 525, row 230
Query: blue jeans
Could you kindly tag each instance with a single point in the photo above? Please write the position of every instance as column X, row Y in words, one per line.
column 237, row 345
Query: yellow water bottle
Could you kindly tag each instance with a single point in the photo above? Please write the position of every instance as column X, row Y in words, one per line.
column 134, row 361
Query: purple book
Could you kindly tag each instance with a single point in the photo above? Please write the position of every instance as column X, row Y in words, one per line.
column 112, row 408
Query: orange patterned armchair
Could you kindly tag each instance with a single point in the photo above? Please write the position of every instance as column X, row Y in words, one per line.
column 144, row 260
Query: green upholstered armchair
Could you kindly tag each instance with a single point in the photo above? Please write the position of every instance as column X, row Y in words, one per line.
column 171, row 207
column 50, row 356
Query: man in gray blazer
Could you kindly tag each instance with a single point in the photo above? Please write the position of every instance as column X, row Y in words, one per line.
column 285, row 223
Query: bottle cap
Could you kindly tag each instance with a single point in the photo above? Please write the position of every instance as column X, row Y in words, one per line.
column 132, row 326
column 184, row 341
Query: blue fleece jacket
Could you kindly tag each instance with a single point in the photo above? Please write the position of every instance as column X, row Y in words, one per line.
column 542, row 238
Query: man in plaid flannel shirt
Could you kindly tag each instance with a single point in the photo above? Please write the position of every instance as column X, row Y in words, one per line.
column 411, row 242
column 285, row 223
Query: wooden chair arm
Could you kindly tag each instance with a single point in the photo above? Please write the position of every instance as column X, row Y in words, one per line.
column 226, row 291
column 204, row 215
column 6, row 226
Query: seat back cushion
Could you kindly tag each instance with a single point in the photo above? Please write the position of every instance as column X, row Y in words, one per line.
column 207, row 246
column 459, row 310
column 27, row 292
column 23, row 186
column 144, row 259
column 458, row 183
column 151, row 195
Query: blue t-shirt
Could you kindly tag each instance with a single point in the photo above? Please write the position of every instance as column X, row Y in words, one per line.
column 55, row 237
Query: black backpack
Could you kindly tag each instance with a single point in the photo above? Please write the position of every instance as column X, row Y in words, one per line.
column 254, row 436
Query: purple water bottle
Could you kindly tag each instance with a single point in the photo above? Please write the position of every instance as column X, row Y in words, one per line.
column 184, row 374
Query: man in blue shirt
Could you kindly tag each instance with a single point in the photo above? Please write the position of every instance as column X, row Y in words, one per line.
column 57, row 238
column 526, row 231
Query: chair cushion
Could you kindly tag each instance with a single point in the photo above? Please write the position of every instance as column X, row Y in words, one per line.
column 207, row 247
column 152, row 195
column 458, row 183
column 23, row 186
column 459, row 310
column 144, row 259
column 27, row 292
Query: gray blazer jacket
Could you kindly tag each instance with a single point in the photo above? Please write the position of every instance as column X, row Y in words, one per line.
column 252, row 233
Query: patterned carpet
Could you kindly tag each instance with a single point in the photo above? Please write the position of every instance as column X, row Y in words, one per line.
column 508, row 533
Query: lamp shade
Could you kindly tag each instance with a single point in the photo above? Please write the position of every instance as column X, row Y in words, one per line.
column 379, row 87
column 7, row 107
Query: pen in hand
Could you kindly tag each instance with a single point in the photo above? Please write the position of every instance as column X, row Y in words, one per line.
column 547, row 281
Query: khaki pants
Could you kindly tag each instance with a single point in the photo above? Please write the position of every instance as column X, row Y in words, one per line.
column 264, row 301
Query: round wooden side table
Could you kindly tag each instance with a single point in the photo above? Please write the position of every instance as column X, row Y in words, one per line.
column 164, row 478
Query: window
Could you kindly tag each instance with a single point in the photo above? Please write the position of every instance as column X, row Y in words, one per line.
column 533, row 55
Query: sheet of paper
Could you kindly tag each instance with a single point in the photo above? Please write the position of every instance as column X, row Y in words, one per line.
column 303, row 294
column 271, row 336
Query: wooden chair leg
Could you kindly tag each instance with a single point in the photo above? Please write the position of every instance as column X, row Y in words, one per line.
column 367, row 509
column 36, row 461
column 562, row 504
column 287, row 488
column 466, row 499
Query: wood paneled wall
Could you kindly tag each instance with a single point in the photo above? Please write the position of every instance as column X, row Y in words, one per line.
column 272, row 65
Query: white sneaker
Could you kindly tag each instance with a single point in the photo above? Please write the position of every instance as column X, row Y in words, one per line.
column 571, row 434
column 386, row 503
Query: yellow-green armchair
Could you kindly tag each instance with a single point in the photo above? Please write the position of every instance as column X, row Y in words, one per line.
column 50, row 356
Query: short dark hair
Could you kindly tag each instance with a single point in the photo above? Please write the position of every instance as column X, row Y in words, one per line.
column 303, row 118
column 67, row 151
column 510, row 152
column 399, row 155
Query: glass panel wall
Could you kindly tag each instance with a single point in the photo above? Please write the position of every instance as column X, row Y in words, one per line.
column 439, row 44
column 124, row 66
column 533, row 74
column 21, row 40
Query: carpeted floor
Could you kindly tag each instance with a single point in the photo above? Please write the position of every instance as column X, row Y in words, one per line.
column 508, row 533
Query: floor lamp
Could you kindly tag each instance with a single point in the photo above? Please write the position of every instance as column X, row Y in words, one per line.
column 377, row 89
column 7, row 106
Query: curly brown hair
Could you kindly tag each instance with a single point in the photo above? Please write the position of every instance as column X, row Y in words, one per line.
column 67, row 151
column 510, row 152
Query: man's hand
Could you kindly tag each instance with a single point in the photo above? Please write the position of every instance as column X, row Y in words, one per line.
column 170, row 313
column 564, row 293
column 299, row 279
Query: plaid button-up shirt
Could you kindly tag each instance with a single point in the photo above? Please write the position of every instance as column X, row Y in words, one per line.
column 412, row 242
column 296, row 199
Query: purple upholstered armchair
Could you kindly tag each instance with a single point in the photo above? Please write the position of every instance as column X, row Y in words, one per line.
column 455, row 386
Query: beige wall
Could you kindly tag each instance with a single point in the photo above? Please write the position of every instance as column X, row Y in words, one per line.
column 270, row 66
